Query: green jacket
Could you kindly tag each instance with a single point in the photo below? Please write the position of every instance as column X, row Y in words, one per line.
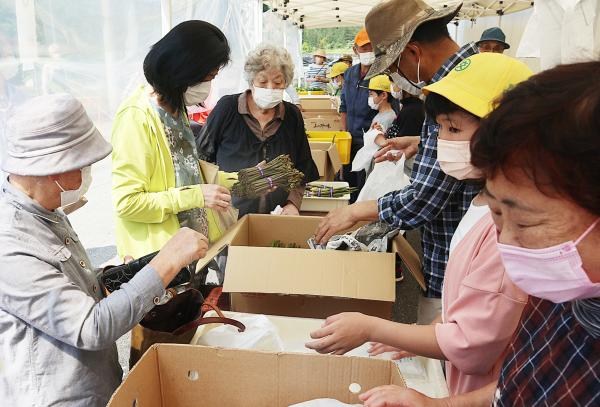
column 144, row 195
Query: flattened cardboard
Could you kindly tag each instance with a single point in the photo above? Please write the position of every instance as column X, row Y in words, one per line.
column 323, row 123
column 302, row 282
column 326, row 158
column 171, row 375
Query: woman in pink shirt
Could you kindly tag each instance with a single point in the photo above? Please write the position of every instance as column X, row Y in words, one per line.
column 481, row 307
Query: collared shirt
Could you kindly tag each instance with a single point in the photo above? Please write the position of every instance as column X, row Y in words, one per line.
column 355, row 103
column 552, row 360
column 434, row 201
column 270, row 129
column 315, row 70
column 57, row 330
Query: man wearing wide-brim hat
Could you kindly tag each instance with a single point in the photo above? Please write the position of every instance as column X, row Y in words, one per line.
column 413, row 46
column 316, row 76
column 493, row 40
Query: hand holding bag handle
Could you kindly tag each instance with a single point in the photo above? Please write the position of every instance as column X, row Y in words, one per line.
column 220, row 319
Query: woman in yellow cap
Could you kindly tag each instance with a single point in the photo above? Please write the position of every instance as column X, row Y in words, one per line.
column 337, row 78
column 481, row 307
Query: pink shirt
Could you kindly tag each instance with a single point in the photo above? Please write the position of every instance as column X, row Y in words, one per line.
column 482, row 308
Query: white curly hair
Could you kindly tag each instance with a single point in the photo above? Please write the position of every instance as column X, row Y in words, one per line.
column 269, row 56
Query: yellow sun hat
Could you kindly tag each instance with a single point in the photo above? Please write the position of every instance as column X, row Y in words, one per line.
column 476, row 82
column 380, row 82
column 338, row 69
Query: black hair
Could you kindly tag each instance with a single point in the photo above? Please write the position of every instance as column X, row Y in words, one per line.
column 390, row 98
column 431, row 31
column 436, row 104
column 184, row 57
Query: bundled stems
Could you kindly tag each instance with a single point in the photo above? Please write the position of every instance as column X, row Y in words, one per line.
column 277, row 173
column 323, row 191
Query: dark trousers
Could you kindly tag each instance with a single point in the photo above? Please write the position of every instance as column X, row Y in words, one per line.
column 355, row 179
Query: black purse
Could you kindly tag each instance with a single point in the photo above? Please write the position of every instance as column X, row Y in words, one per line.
column 111, row 277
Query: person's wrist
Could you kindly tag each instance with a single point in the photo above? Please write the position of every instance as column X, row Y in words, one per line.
column 370, row 328
column 165, row 268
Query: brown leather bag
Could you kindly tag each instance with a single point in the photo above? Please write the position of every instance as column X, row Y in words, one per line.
column 174, row 322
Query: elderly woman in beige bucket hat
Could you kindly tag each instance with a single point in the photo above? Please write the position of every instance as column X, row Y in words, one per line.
column 57, row 327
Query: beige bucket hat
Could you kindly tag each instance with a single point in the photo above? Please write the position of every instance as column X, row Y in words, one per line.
column 51, row 134
column 391, row 24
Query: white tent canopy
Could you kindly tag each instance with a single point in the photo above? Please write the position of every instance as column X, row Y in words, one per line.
column 339, row 13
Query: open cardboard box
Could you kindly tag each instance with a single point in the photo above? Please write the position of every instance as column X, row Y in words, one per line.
column 422, row 374
column 316, row 113
column 171, row 375
column 316, row 102
column 302, row 282
column 326, row 158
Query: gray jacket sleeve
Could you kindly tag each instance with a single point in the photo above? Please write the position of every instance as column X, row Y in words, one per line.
column 43, row 297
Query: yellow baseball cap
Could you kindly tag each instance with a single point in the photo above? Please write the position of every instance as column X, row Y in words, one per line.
column 476, row 82
column 380, row 82
column 338, row 69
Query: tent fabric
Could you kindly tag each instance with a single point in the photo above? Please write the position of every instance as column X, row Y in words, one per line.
column 329, row 13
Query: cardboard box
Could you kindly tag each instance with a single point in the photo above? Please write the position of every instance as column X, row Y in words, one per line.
column 183, row 375
column 422, row 374
column 326, row 158
column 325, row 203
column 327, row 122
column 303, row 282
column 308, row 114
column 315, row 102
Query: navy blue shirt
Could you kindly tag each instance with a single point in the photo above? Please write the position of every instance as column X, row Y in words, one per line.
column 355, row 103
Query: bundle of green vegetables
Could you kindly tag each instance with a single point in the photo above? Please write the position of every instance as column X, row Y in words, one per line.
column 324, row 191
column 280, row 244
column 265, row 177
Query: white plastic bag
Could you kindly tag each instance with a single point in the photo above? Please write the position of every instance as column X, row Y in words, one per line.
column 386, row 177
column 323, row 403
column 260, row 334
column 364, row 156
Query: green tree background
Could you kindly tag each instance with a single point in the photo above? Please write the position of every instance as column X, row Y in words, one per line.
column 332, row 40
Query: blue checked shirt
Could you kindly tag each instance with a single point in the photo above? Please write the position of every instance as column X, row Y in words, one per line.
column 434, row 201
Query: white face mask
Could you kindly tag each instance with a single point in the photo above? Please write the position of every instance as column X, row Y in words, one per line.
column 405, row 84
column 372, row 104
column 69, row 197
column 366, row 58
column 396, row 94
column 266, row 98
column 196, row 94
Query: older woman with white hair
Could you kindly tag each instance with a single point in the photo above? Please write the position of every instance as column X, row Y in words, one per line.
column 257, row 125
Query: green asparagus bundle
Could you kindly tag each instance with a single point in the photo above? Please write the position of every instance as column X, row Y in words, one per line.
column 324, row 191
column 277, row 173
column 280, row 244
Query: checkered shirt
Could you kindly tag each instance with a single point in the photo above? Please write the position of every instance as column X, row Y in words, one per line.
column 433, row 201
column 552, row 360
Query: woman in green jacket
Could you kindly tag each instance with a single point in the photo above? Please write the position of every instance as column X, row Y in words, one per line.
column 157, row 183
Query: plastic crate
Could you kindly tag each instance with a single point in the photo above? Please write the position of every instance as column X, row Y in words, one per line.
column 311, row 92
column 342, row 140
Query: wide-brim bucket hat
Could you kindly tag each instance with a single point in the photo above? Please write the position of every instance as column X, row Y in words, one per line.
column 392, row 23
column 51, row 134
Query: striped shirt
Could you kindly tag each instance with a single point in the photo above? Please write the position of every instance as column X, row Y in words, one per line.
column 434, row 201
column 315, row 70
column 552, row 360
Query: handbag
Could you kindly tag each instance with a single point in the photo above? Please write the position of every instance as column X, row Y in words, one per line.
column 111, row 277
column 175, row 322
